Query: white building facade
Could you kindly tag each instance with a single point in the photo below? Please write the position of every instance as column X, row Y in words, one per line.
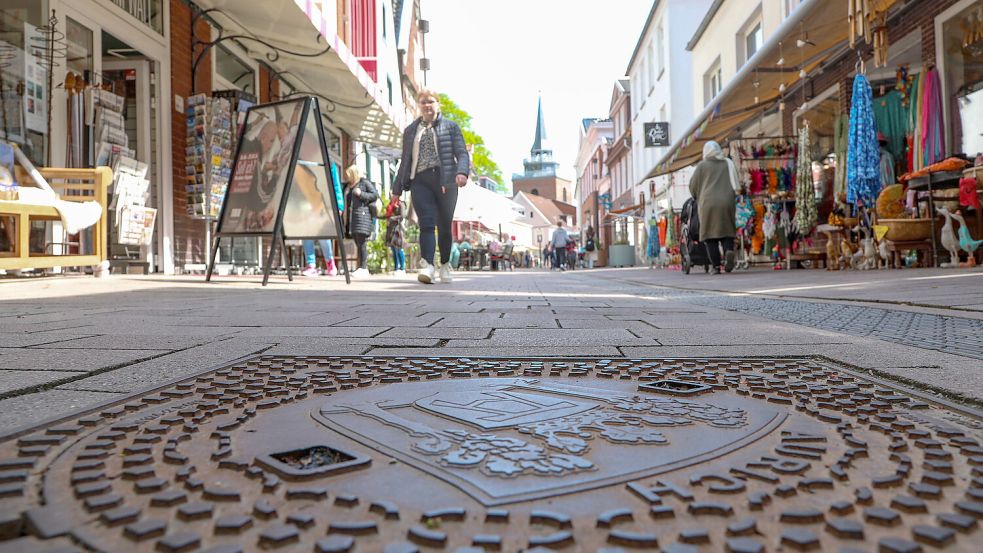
column 661, row 75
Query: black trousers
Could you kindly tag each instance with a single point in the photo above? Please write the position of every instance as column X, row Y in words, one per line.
column 434, row 205
column 713, row 248
column 361, row 242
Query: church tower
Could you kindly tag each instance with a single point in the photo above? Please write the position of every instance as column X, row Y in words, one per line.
column 540, row 162
column 539, row 170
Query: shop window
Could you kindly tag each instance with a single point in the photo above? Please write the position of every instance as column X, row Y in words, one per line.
column 660, row 44
column 750, row 38
column 712, row 82
column 962, row 57
column 232, row 72
column 24, row 93
column 790, row 6
column 652, row 62
column 753, row 41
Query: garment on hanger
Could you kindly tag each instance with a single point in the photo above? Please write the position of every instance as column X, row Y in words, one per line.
column 932, row 136
column 892, row 120
column 863, row 152
column 841, row 132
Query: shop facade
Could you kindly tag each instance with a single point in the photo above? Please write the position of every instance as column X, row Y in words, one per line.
column 799, row 83
column 148, row 64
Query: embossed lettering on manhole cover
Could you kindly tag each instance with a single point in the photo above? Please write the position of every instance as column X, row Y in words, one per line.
column 397, row 454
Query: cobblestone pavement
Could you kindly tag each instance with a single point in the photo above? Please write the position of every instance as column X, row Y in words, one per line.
column 947, row 334
column 68, row 343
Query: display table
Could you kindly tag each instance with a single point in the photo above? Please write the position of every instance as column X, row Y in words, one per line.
column 74, row 185
column 931, row 183
column 923, row 247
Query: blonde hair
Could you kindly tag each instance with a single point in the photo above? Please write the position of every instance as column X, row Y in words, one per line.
column 353, row 174
column 424, row 92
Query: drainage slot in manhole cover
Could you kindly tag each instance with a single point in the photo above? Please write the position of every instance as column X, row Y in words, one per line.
column 309, row 462
column 674, row 387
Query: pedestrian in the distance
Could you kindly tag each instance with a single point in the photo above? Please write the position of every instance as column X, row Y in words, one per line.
column 434, row 165
column 395, row 237
column 360, row 193
column 714, row 184
column 558, row 242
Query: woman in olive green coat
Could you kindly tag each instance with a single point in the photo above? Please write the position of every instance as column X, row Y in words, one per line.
column 714, row 184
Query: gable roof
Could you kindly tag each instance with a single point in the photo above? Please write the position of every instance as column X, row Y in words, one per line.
column 714, row 8
column 551, row 210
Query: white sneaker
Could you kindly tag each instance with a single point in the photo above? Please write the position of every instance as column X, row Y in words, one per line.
column 426, row 274
column 361, row 272
column 446, row 276
column 399, row 273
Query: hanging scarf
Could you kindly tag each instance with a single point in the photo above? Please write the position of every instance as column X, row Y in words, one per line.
column 806, row 213
column 863, row 173
column 932, row 136
column 918, row 101
column 840, row 133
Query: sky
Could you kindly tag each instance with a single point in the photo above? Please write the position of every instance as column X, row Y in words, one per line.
column 493, row 58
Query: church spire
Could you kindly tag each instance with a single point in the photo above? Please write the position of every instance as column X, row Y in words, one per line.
column 539, row 142
column 540, row 162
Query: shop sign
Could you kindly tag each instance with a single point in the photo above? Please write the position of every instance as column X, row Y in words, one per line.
column 282, row 183
column 656, row 134
column 147, row 12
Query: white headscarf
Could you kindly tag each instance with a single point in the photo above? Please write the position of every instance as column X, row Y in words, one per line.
column 712, row 150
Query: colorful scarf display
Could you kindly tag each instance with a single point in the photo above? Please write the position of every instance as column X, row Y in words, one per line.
column 932, row 136
column 806, row 211
column 863, row 173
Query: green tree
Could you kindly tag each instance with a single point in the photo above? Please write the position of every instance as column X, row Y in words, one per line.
column 481, row 161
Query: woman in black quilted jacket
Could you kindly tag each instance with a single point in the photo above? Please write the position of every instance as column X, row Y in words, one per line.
column 434, row 165
column 360, row 193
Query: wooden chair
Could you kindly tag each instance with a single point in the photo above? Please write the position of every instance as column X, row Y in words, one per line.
column 504, row 258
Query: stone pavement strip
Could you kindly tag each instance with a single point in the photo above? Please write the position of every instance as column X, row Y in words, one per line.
column 83, row 335
column 756, row 411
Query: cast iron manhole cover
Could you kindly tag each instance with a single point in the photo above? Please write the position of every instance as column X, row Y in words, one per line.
column 404, row 454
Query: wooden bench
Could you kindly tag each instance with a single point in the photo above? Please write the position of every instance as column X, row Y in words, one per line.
column 74, row 185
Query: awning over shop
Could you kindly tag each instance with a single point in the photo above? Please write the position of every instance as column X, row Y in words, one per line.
column 348, row 95
column 821, row 26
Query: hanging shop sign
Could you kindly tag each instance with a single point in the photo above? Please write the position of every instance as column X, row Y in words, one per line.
column 281, row 184
column 656, row 134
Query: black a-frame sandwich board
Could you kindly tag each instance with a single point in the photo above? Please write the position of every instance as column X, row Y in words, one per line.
column 281, row 184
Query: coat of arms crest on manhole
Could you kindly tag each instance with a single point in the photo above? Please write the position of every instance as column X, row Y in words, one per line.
column 511, row 439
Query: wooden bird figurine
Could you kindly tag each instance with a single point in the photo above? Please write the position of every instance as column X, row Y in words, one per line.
column 949, row 241
column 832, row 259
column 966, row 241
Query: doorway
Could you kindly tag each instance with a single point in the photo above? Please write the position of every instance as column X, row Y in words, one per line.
column 126, row 60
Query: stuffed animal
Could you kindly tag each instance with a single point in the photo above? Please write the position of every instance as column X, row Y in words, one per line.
column 949, row 241
column 966, row 241
column 846, row 254
column 885, row 254
column 866, row 256
column 832, row 258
